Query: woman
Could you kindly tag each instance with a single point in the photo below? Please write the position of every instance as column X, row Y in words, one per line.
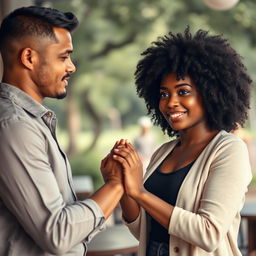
column 188, row 202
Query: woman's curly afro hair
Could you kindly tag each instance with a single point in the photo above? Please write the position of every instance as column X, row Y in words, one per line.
column 213, row 65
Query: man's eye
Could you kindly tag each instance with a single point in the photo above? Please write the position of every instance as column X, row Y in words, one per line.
column 63, row 57
column 163, row 94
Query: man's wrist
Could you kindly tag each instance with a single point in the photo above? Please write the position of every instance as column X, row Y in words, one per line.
column 115, row 184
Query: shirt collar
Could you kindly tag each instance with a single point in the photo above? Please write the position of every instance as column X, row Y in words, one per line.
column 22, row 99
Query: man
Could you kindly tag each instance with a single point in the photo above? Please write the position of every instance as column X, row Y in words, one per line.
column 39, row 211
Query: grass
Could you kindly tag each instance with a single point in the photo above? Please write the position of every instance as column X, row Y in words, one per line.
column 108, row 138
column 89, row 163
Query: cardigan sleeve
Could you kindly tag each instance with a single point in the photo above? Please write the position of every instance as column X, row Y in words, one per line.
column 135, row 226
column 222, row 199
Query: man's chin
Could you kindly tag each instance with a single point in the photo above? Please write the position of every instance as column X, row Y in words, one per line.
column 62, row 95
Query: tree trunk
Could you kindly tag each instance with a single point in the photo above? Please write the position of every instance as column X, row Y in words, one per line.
column 73, row 123
column 88, row 107
column 115, row 119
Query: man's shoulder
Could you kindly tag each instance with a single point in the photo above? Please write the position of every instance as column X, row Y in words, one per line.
column 11, row 112
column 16, row 103
column 14, row 121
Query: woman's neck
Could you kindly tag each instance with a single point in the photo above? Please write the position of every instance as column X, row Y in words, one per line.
column 198, row 136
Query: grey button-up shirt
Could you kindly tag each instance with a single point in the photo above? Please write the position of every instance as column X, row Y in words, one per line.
column 39, row 214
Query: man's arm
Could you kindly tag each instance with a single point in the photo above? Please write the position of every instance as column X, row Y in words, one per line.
column 29, row 189
column 110, row 194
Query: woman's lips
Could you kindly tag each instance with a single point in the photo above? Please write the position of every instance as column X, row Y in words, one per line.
column 174, row 117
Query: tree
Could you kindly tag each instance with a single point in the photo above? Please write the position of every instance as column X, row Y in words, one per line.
column 92, row 43
column 111, row 35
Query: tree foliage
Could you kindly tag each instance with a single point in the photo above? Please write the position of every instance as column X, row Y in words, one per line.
column 113, row 33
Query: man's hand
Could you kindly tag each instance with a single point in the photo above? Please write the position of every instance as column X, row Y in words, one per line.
column 132, row 168
column 109, row 195
column 111, row 170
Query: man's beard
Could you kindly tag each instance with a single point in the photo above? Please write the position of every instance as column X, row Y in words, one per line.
column 62, row 95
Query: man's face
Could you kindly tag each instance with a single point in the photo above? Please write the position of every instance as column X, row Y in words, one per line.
column 54, row 66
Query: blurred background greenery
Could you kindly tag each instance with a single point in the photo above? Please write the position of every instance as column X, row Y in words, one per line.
column 102, row 105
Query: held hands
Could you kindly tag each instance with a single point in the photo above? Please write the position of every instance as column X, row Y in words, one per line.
column 110, row 169
column 125, row 155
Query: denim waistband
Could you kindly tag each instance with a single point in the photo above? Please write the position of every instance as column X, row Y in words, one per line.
column 157, row 248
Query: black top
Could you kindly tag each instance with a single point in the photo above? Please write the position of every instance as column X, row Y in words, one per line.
column 165, row 186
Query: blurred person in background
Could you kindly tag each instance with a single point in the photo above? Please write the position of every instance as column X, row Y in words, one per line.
column 40, row 214
column 188, row 203
column 144, row 143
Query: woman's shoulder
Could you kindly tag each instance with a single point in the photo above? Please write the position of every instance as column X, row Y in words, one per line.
column 228, row 138
column 228, row 142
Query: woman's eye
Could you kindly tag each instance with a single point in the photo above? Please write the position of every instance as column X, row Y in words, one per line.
column 183, row 92
column 163, row 94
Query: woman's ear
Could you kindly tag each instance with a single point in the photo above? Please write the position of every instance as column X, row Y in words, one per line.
column 28, row 58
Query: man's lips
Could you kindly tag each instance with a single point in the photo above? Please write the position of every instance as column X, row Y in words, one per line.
column 65, row 79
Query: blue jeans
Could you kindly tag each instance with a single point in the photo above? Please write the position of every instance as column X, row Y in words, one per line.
column 157, row 249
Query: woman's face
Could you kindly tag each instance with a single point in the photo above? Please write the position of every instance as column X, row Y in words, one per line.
column 181, row 104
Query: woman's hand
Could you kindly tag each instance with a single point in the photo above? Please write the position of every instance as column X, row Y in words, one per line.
column 127, row 156
column 136, row 195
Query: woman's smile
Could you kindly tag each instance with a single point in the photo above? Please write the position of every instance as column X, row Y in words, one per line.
column 176, row 116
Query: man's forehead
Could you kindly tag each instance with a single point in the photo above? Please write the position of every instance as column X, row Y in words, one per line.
column 62, row 34
column 63, row 40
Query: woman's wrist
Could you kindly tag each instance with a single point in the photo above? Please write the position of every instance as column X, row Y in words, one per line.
column 139, row 194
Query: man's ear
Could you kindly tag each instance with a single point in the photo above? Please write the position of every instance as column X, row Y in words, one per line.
column 29, row 58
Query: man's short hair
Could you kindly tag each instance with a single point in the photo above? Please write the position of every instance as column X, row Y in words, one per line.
column 34, row 21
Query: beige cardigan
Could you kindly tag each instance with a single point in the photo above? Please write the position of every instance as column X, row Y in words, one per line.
column 206, row 218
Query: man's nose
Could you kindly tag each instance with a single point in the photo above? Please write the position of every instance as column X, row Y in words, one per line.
column 71, row 68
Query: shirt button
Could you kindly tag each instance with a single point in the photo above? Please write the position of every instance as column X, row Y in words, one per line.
column 49, row 114
column 176, row 249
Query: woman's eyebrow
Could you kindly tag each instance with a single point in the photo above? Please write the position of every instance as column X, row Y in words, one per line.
column 162, row 87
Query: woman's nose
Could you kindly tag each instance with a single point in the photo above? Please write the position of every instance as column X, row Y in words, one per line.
column 172, row 101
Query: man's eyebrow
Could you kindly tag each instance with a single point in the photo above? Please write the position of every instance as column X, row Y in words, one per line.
column 67, row 52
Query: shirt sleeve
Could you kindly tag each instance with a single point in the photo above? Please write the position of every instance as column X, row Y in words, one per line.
column 99, row 218
column 30, row 191
column 221, row 200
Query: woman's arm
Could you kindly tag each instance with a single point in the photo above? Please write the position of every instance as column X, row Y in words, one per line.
column 135, row 193
column 221, row 199
column 130, row 208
